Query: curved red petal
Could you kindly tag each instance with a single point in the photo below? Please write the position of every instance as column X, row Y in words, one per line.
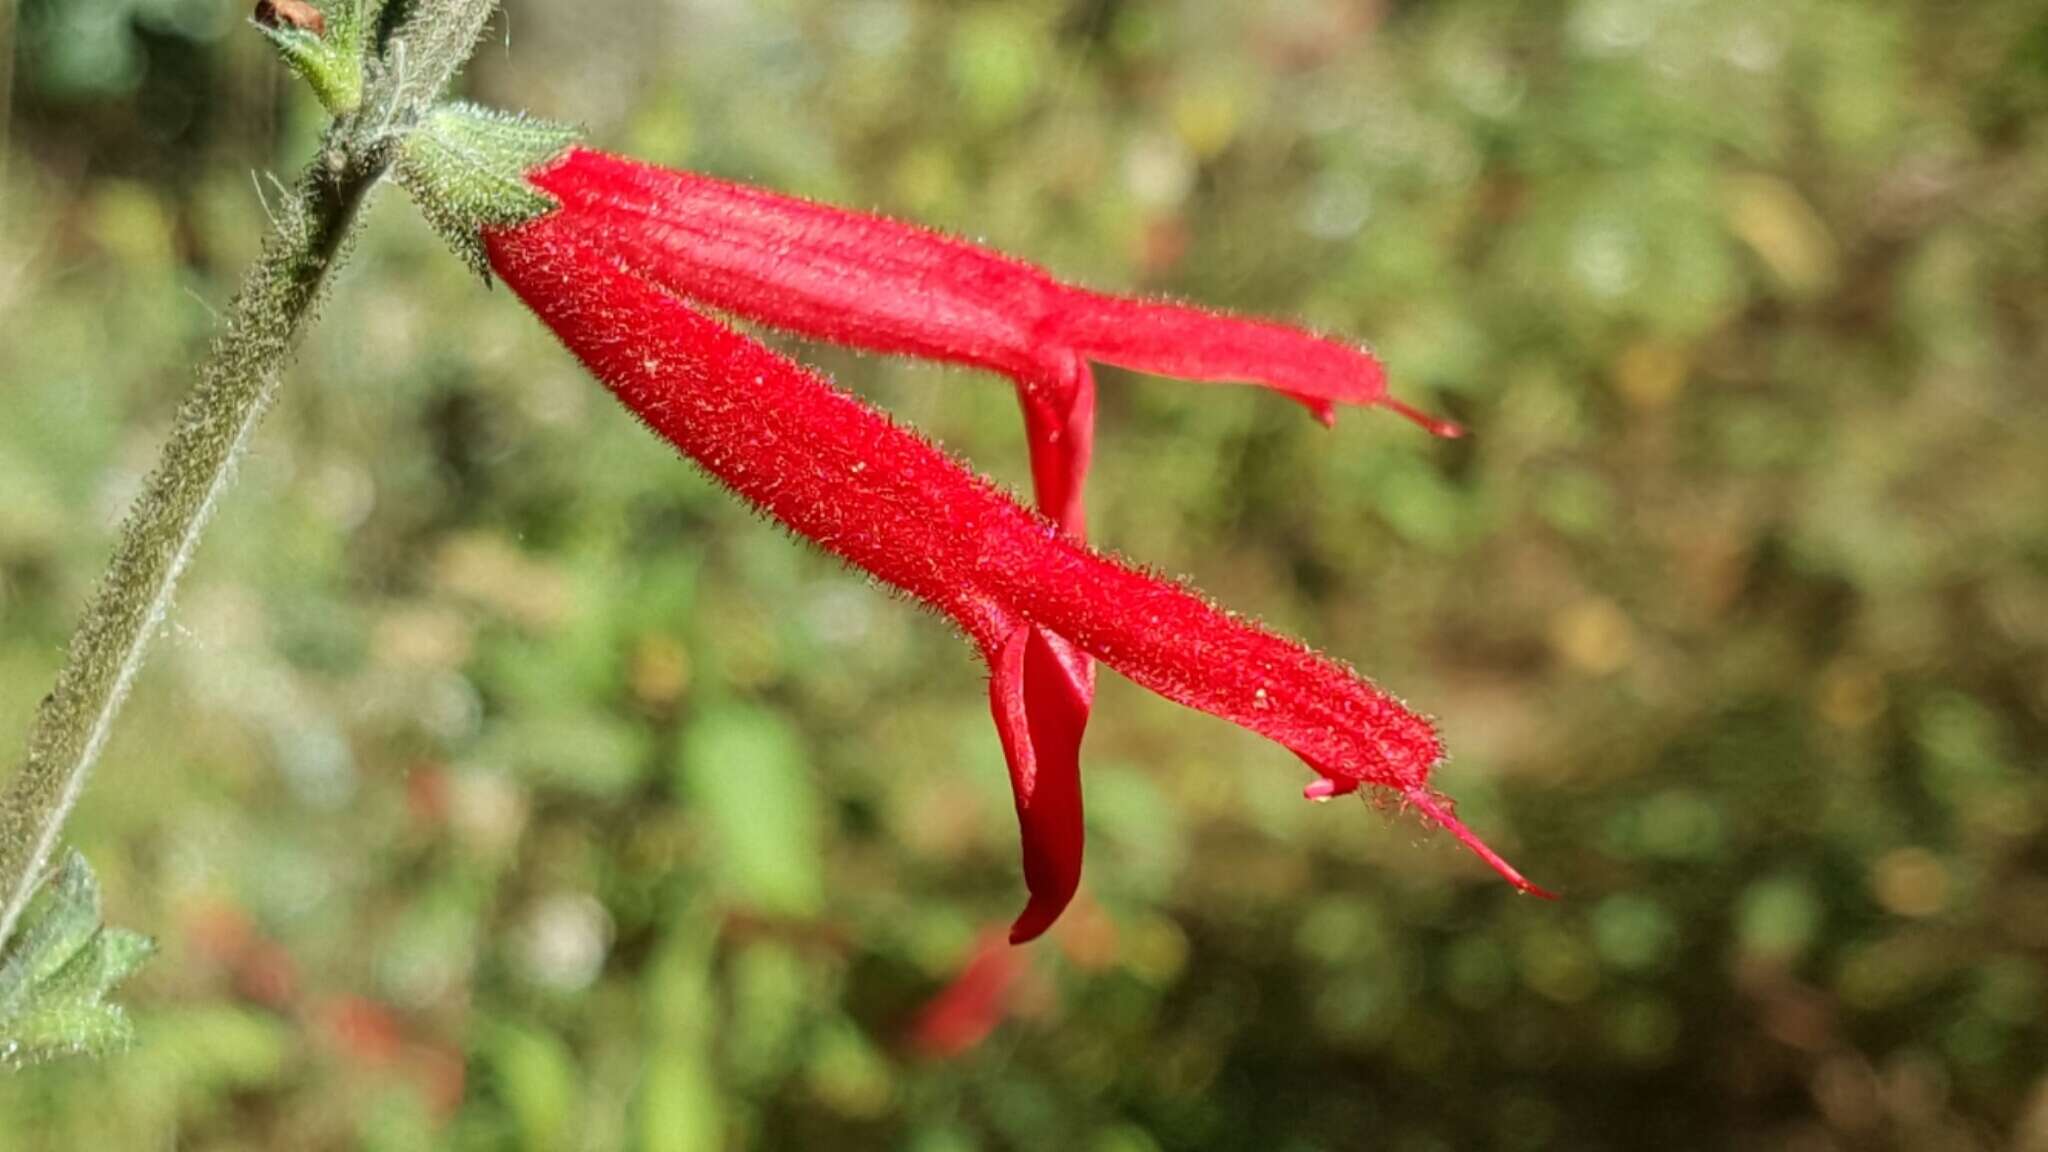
column 1041, row 711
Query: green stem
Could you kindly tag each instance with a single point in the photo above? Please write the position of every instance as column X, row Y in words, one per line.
column 236, row 387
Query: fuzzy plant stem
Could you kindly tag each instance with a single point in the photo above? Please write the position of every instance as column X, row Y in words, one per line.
column 237, row 384
column 236, row 387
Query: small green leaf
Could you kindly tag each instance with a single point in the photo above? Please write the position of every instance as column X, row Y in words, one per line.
column 68, row 1029
column 121, row 954
column 220, row 1050
column 329, row 60
column 333, row 72
column 58, row 925
column 56, row 978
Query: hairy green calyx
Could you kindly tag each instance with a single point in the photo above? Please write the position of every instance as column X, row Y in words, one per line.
column 465, row 166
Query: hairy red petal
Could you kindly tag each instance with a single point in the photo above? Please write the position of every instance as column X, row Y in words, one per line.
column 872, row 282
column 1198, row 344
column 884, row 499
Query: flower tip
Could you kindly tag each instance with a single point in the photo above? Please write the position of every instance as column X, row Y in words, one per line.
column 1324, row 789
column 1435, row 425
column 1038, row 915
column 1435, row 809
column 1040, row 703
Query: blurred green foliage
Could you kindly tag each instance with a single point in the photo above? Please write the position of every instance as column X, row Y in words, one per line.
column 499, row 783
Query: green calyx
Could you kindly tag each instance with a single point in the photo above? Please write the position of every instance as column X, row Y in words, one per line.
column 465, row 166
column 322, row 41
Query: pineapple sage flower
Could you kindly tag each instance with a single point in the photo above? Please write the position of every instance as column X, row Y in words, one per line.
column 617, row 258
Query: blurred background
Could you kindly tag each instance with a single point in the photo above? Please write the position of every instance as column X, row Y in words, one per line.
column 498, row 783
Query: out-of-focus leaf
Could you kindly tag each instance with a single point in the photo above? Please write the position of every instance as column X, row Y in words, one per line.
column 1785, row 232
column 849, row 1075
column 995, row 61
column 1138, row 829
column 679, row 1103
column 216, row 1050
column 768, row 1002
column 537, row 1082
column 589, row 752
column 745, row 769
column 680, row 1106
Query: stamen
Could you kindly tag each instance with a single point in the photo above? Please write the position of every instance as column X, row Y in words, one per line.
column 1434, row 425
column 1431, row 807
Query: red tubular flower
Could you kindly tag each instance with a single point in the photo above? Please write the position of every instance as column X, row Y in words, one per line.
column 607, row 252
column 878, row 284
column 880, row 497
